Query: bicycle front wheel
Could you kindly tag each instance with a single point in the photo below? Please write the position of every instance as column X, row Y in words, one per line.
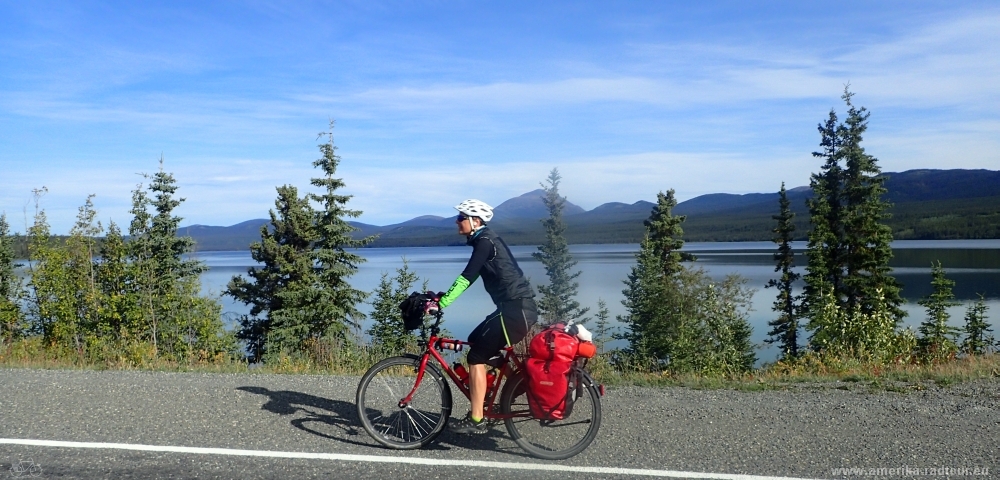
column 551, row 439
column 397, row 425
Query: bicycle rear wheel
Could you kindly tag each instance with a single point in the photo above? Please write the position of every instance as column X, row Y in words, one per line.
column 551, row 439
column 409, row 426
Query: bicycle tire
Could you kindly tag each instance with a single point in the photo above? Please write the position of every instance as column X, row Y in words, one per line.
column 418, row 423
column 551, row 440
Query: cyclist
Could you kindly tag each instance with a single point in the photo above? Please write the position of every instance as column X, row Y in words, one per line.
column 516, row 310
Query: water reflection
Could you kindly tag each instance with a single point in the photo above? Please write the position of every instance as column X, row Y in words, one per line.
column 973, row 264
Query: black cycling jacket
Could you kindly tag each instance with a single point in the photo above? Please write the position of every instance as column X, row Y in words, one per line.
column 492, row 260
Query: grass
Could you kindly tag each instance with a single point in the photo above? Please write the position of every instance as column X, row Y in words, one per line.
column 319, row 358
column 326, row 359
column 33, row 353
column 813, row 371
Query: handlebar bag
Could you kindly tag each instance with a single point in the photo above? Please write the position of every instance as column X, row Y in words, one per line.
column 412, row 310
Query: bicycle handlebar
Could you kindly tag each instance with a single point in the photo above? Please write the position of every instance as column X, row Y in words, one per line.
column 435, row 328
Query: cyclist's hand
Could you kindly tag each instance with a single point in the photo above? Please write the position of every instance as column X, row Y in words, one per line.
column 431, row 307
column 434, row 296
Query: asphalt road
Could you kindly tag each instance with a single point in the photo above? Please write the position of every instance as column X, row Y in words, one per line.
column 803, row 432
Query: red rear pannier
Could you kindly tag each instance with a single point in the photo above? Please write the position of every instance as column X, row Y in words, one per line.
column 550, row 361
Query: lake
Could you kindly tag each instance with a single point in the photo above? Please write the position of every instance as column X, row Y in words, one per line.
column 973, row 264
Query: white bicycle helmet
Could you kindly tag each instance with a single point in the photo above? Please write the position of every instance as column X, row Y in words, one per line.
column 475, row 208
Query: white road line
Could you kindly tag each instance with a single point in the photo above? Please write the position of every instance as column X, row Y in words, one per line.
column 386, row 459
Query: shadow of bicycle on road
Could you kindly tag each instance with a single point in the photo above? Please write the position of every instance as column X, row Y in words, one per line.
column 314, row 414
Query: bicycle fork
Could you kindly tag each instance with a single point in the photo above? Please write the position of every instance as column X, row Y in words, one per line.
column 405, row 402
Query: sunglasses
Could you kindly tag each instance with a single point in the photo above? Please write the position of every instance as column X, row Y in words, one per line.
column 461, row 218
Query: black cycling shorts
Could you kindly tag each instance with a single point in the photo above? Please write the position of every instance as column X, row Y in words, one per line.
column 488, row 339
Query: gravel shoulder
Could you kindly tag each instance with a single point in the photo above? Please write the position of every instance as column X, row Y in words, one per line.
column 802, row 431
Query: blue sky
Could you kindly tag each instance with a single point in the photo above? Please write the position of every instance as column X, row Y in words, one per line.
column 440, row 101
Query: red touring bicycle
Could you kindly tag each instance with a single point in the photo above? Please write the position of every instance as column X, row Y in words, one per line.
column 404, row 402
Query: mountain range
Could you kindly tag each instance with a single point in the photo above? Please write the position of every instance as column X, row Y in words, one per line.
column 927, row 204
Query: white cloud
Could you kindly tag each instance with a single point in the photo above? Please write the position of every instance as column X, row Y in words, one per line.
column 949, row 63
column 946, row 63
column 696, row 117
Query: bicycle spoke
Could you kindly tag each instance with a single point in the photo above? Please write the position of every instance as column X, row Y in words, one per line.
column 379, row 396
column 422, row 415
column 412, row 422
column 553, row 439
column 385, row 382
column 400, row 422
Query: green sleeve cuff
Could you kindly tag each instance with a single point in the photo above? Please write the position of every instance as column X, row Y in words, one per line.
column 461, row 283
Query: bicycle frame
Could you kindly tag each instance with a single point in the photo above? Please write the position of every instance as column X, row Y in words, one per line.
column 418, row 418
column 511, row 365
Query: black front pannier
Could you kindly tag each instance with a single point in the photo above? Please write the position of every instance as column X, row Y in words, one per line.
column 412, row 310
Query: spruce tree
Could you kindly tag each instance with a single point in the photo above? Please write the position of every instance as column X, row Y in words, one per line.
column 167, row 248
column 978, row 339
column 824, row 271
column 335, row 301
column 285, row 255
column 177, row 319
column 682, row 318
column 387, row 324
column 602, row 327
column 139, row 254
column 664, row 233
column 850, row 297
column 11, row 287
column 867, row 239
column 937, row 340
column 558, row 302
column 649, row 288
column 784, row 329
column 301, row 295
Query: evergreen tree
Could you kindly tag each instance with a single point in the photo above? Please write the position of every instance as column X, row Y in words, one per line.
column 679, row 317
column 850, row 297
column 824, row 271
column 301, row 295
column 978, row 339
column 784, row 329
column 602, row 330
column 11, row 287
column 867, row 238
column 648, row 285
column 937, row 340
column 664, row 233
column 645, row 295
column 558, row 302
column 138, row 254
column 387, row 328
column 166, row 247
column 335, row 309
column 285, row 255
column 178, row 321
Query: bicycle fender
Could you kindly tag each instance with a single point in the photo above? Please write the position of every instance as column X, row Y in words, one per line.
column 590, row 382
